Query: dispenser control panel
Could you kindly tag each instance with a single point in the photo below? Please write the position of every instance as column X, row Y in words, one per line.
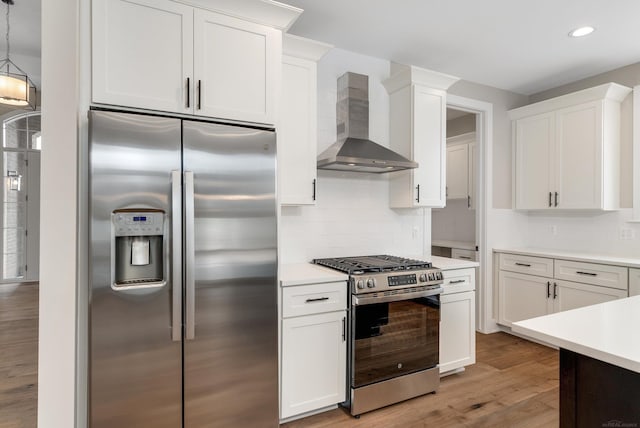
column 129, row 223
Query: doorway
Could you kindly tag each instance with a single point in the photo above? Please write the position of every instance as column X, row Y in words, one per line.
column 20, row 213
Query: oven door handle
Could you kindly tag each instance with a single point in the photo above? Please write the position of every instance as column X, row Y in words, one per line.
column 369, row 300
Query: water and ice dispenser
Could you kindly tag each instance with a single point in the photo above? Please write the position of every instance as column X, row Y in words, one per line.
column 138, row 248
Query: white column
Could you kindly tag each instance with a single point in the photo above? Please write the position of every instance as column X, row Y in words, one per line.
column 59, row 215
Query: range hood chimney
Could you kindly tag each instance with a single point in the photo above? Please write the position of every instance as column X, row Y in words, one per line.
column 354, row 151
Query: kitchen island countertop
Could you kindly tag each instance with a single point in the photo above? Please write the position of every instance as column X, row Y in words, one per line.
column 607, row 331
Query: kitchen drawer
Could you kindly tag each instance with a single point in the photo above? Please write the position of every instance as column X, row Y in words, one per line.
column 457, row 253
column 459, row 280
column 527, row 264
column 592, row 273
column 314, row 299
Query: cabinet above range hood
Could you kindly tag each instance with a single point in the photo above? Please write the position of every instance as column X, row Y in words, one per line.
column 354, row 151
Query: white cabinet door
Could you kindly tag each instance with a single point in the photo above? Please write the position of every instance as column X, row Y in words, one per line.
column 634, row 282
column 297, row 142
column 578, row 156
column 534, row 161
column 313, row 362
column 572, row 295
column 142, row 54
column 457, row 171
column 522, row 297
column 429, row 147
column 236, row 68
column 457, row 330
column 473, row 170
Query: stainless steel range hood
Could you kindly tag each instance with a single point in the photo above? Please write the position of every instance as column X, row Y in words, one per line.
column 354, row 151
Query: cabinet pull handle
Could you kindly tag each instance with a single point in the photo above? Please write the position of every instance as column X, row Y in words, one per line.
column 313, row 196
column 586, row 273
column 464, row 257
column 458, row 281
column 344, row 329
column 523, row 264
column 548, row 289
column 550, row 203
column 199, row 94
column 468, row 201
column 188, row 92
column 556, row 199
column 446, row 191
column 418, row 193
column 555, row 290
column 317, row 299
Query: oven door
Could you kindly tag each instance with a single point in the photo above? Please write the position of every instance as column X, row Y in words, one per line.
column 394, row 335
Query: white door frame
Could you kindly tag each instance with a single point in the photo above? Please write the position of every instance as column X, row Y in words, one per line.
column 484, row 134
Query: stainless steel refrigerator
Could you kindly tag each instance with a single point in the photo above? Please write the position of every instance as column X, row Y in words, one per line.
column 183, row 306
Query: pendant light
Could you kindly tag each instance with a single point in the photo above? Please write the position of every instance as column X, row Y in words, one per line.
column 16, row 88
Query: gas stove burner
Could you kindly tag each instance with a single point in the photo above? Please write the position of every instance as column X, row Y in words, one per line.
column 366, row 264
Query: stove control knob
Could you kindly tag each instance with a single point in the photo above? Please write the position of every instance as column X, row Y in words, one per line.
column 423, row 277
column 360, row 284
column 439, row 275
column 371, row 283
column 431, row 278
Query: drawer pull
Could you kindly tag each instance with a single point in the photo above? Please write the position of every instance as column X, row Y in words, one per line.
column 318, row 299
column 523, row 264
column 586, row 273
column 458, row 281
column 464, row 257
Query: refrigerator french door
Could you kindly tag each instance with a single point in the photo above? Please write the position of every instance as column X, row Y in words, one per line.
column 183, row 307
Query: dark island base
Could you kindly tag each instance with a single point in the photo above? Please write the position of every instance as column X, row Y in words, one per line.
column 597, row 394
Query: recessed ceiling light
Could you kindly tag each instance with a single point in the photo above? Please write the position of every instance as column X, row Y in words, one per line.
column 582, row 31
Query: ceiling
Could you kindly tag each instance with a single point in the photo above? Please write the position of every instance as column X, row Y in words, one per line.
column 509, row 44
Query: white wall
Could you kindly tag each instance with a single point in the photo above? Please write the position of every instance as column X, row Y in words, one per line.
column 352, row 214
column 455, row 222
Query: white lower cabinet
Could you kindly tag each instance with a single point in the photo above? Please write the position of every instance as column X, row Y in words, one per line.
column 457, row 320
column 634, row 282
column 522, row 295
column 314, row 348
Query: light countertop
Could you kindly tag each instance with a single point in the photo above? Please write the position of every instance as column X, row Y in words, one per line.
column 446, row 263
column 308, row 273
column 572, row 255
column 463, row 245
column 608, row 331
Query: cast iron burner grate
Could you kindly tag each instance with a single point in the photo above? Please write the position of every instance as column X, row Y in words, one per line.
column 366, row 264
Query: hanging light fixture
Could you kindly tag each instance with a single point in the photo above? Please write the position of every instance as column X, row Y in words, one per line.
column 16, row 88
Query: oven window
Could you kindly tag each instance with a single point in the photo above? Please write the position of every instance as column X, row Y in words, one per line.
column 393, row 339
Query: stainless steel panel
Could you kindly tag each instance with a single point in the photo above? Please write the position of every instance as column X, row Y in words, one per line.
column 393, row 391
column 231, row 368
column 135, row 367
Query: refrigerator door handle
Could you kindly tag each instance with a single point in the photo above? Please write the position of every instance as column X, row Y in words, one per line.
column 176, row 254
column 189, row 264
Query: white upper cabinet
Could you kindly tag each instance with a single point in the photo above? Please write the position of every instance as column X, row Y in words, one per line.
column 167, row 56
column 417, row 131
column 457, row 171
column 236, row 68
column 142, row 53
column 297, row 124
column 567, row 151
column 461, row 168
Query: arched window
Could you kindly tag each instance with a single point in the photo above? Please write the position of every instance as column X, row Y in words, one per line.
column 21, row 144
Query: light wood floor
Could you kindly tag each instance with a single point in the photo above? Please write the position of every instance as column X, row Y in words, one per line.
column 513, row 384
column 18, row 355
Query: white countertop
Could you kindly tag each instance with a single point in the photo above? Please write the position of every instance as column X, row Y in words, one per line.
column 446, row 263
column 464, row 245
column 572, row 255
column 609, row 331
column 308, row 273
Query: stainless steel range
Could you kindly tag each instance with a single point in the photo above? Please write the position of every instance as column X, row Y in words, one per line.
column 394, row 321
